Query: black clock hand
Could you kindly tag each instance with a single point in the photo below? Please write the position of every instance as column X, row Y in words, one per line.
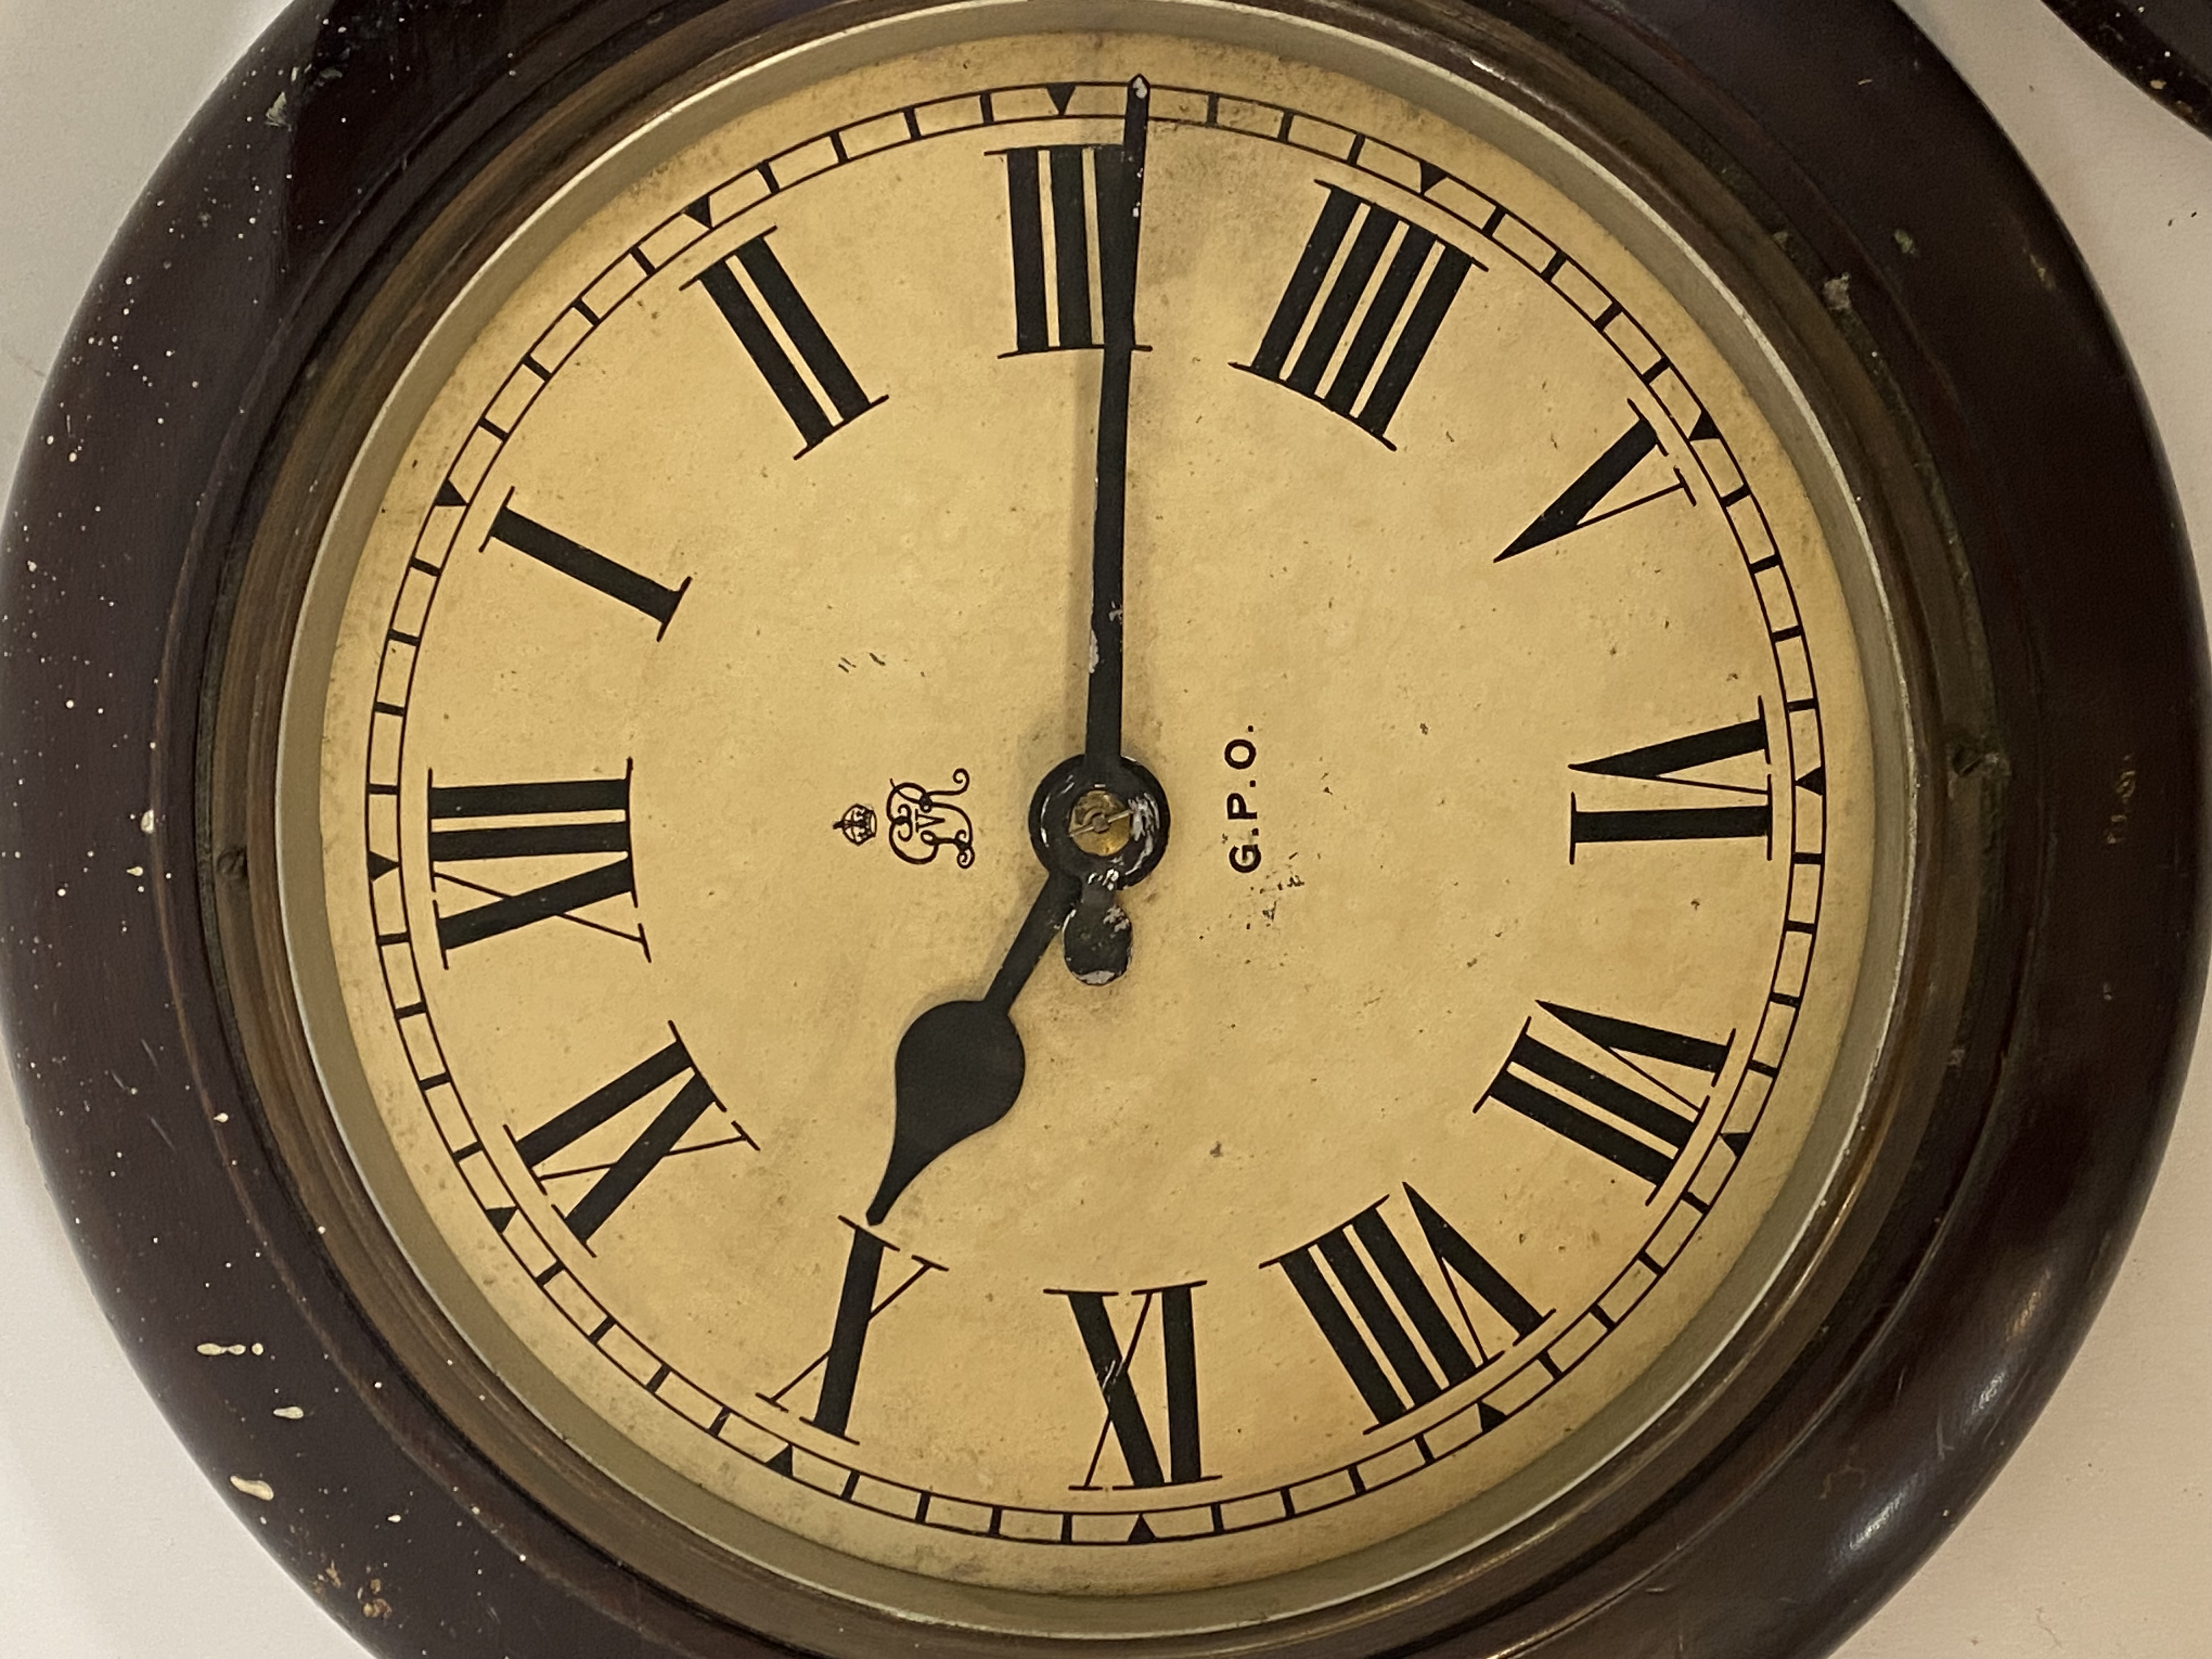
column 960, row 1064
column 1119, row 221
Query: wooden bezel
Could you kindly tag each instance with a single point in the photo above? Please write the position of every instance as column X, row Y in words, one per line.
column 2042, row 603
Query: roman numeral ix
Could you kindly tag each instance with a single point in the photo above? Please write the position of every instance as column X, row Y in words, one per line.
column 1071, row 208
column 1347, row 337
column 857, row 1309
column 655, row 1142
column 1379, row 1316
column 1640, row 1128
column 618, row 582
column 1111, row 1363
column 778, row 330
column 1665, row 762
column 473, row 824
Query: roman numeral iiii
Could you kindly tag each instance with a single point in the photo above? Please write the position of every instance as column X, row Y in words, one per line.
column 1343, row 335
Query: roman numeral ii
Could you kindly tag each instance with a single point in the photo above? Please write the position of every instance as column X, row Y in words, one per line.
column 762, row 305
column 1335, row 292
column 1071, row 210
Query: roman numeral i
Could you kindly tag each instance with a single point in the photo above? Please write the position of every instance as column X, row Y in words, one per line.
column 472, row 824
column 1328, row 335
column 779, row 331
column 1375, row 1311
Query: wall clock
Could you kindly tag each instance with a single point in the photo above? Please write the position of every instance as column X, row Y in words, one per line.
column 1410, row 1316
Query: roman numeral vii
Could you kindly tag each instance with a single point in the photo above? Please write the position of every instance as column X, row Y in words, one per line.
column 1346, row 336
column 1667, row 762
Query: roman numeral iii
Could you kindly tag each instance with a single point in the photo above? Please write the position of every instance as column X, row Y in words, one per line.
column 1168, row 1310
column 656, row 1140
column 1666, row 764
column 1382, row 1319
column 550, row 825
column 1329, row 337
column 1069, row 210
column 1641, row 1127
column 857, row 1308
column 762, row 305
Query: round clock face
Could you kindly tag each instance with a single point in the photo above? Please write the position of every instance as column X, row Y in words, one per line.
column 1095, row 815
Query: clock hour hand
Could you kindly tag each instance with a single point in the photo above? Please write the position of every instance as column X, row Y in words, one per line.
column 960, row 1064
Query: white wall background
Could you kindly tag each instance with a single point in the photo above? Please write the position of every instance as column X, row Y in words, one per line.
column 2096, row 1541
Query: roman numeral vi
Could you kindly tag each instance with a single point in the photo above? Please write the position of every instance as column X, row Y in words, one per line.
column 1666, row 763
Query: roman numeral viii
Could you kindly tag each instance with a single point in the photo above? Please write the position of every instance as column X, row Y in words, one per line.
column 1384, row 1322
column 859, row 1306
column 549, row 824
column 762, row 305
column 1329, row 337
column 656, row 1140
column 1641, row 1128
column 1112, row 1361
column 1071, row 210
column 1666, row 763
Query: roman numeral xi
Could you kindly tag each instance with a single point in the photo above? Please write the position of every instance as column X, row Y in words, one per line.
column 1329, row 337
column 551, row 826
column 549, row 1149
column 1168, row 1310
column 1384, row 1322
column 779, row 331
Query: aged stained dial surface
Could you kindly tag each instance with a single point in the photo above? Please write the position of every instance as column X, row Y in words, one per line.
column 1089, row 814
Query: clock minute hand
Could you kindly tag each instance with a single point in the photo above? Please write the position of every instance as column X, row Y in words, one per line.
column 960, row 1064
column 1119, row 222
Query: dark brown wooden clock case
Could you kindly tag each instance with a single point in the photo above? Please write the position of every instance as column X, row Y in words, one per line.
column 2061, row 652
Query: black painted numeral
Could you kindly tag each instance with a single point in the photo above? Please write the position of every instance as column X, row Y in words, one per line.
column 857, row 1309
column 778, row 330
column 1665, row 762
column 618, row 582
column 1111, row 1363
column 551, row 823
column 1581, row 503
column 658, row 1140
column 1334, row 292
column 1639, row 1127
column 1400, row 1349
column 1070, row 207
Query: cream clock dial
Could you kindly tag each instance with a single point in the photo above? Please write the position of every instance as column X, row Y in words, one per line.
column 1095, row 815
